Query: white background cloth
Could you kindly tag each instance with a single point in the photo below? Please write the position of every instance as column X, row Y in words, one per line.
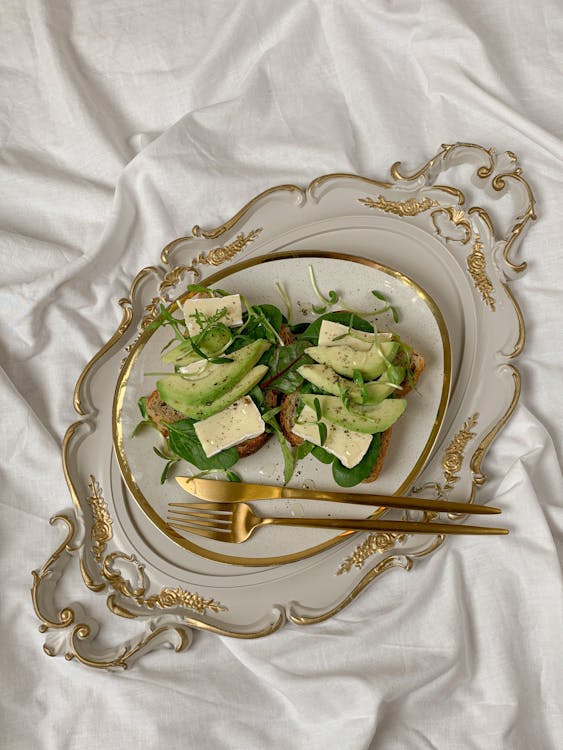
column 125, row 123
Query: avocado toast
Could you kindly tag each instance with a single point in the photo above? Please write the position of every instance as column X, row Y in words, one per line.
column 210, row 409
column 353, row 392
column 332, row 388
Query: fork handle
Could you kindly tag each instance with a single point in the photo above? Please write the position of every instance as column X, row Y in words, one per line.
column 408, row 527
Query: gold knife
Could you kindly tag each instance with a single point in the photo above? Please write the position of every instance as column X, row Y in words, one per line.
column 217, row 490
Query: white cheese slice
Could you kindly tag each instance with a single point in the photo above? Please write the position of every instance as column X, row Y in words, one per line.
column 336, row 334
column 210, row 306
column 238, row 422
column 348, row 446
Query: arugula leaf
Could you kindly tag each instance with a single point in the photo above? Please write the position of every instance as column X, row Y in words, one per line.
column 351, row 477
column 184, row 442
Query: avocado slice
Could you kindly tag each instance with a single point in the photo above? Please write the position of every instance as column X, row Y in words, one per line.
column 344, row 360
column 181, row 392
column 328, row 380
column 240, row 389
column 210, row 344
column 371, row 419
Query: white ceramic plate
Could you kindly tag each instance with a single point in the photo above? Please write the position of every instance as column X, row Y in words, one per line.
column 353, row 277
column 434, row 226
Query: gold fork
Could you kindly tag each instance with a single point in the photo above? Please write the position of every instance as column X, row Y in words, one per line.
column 226, row 522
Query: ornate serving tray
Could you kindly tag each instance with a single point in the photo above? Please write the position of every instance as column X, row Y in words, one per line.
column 447, row 235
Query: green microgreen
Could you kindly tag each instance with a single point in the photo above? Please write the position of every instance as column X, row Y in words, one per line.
column 287, row 301
column 332, row 298
column 377, row 311
column 319, row 309
column 358, row 379
column 170, row 458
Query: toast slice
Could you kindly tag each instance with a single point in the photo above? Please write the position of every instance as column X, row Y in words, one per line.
column 289, row 404
column 162, row 415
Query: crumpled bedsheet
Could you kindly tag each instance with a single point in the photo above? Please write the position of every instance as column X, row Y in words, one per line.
column 125, row 123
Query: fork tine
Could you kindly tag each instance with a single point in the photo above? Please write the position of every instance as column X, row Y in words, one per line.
column 221, row 536
column 218, row 517
column 225, row 507
column 204, row 524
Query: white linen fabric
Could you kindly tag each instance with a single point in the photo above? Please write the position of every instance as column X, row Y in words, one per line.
column 124, row 124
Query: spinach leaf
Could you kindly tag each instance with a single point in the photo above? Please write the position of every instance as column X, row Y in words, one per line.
column 303, row 450
column 322, row 455
column 184, row 442
column 263, row 322
column 350, row 477
column 311, row 333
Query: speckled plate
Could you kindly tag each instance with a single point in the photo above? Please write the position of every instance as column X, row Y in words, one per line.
column 353, row 277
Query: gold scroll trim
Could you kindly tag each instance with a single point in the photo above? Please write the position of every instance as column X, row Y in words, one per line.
column 477, row 267
column 376, row 543
column 410, row 207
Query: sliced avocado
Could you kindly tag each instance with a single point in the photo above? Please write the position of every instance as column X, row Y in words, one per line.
column 244, row 386
column 370, row 419
column 180, row 392
column 345, row 360
column 328, row 380
column 210, row 344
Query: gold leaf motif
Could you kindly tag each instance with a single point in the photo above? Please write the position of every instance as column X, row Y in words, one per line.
column 177, row 597
column 375, row 543
column 102, row 527
column 165, row 599
column 476, row 265
column 453, row 455
column 410, row 207
column 219, row 255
